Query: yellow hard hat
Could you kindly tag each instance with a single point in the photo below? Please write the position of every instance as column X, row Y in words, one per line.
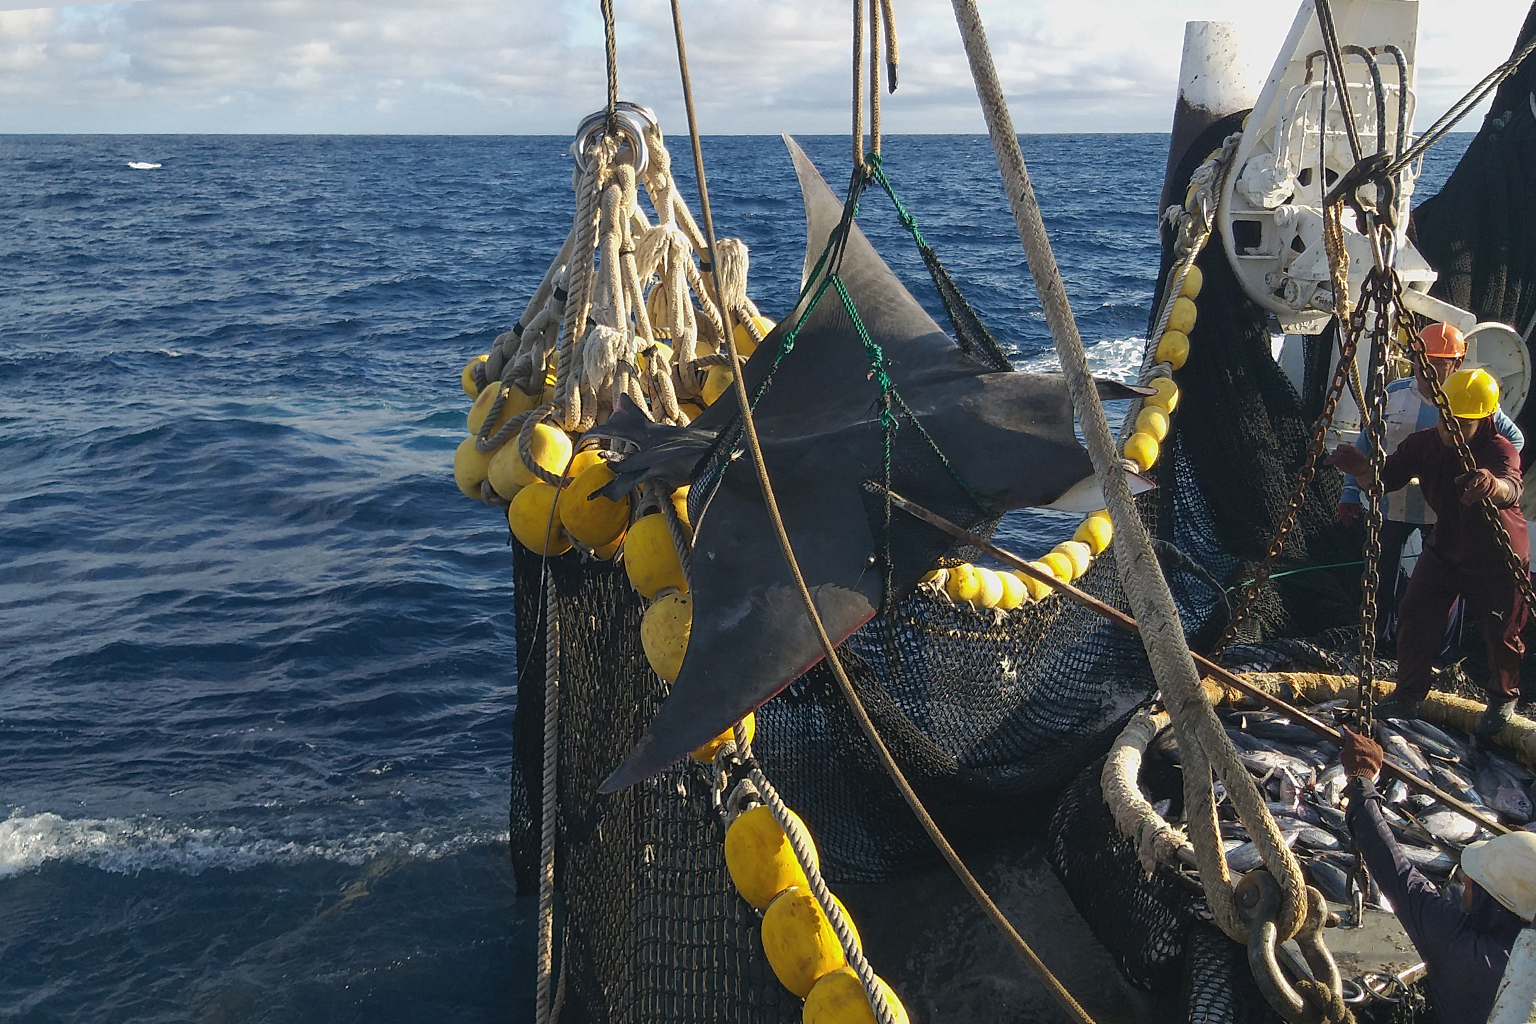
column 1472, row 394
column 1506, row 867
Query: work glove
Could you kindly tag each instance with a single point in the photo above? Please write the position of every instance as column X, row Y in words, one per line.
column 1479, row 484
column 1359, row 754
column 1349, row 512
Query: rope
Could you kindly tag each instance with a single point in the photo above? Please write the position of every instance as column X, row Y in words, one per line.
column 749, row 430
column 858, row 82
column 1461, row 108
column 611, row 56
column 542, row 1009
column 874, row 77
column 805, row 855
column 1194, row 720
column 892, row 59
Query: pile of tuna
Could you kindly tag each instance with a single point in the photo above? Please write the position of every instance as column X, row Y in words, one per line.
column 1304, row 785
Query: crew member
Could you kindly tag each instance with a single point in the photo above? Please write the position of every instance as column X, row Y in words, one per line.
column 1410, row 407
column 1462, row 556
column 1465, row 948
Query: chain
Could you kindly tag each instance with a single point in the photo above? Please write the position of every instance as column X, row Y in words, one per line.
column 1377, row 299
column 1315, row 451
column 1512, row 561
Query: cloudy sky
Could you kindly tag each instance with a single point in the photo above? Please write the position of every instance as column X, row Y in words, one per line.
column 535, row 66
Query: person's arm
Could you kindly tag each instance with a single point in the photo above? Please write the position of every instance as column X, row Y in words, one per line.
column 1402, row 465
column 1497, row 477
column 1351, row 492
column 1433, row 922
column 1507, row 429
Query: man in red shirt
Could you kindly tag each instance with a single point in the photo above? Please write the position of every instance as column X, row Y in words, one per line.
column 1462, row 556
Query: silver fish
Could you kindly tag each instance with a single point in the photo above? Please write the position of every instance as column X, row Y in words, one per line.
column 1448, row 825
column 1431, row 862
column 1330, row 880
column 1400, row 750
column 1314, row 838
column 1245, row 858
column 1262, row 762
column 1501, row 792
column 1428, row 743
column 1397, row 792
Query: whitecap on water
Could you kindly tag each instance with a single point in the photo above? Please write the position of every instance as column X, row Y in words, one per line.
column 140, row 165
column 1116, row 358
column 128, row 846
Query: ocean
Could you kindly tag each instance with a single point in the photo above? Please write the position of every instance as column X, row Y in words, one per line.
column 258, row 672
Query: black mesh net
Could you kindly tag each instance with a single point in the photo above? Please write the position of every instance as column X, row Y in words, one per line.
column 989, row 715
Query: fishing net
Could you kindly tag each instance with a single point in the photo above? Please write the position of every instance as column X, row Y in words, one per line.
column 990, row 715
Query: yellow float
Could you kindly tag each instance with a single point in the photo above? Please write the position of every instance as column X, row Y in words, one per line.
column 759, row 857
column 838, row 998
column 549, row 447
column 1153, row 419
column 962, row 584
column 1167, row 397
column 664, row 634
column 468, row 379
column 470, row 466
column 1014, row 592
column 991, row 589
column 1173, row 349
column 650, row 557
column 1076, row 552
column 1141, row 449
column 1182, row 319
column 1058, row 565
column 800, row 942
column 706, row 753
column 1096, row 531
column 534, row 520
column 1037, row 589
column 716, row 383
column 588, row 516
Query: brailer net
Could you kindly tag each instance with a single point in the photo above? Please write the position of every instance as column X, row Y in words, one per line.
column 989, row 715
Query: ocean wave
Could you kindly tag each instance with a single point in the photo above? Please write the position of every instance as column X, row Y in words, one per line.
column 1117, row 358
column 127, row 846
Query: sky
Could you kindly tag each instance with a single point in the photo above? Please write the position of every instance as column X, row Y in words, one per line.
column 526, row 67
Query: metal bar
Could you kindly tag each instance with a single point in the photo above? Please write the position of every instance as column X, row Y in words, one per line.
column 1206, row 666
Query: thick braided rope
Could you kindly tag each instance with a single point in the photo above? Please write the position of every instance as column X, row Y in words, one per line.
column 547, row 814
column 874, row 77
column 1156, row 841
column 1151, row 602
column 800, row 844
column 579, row 288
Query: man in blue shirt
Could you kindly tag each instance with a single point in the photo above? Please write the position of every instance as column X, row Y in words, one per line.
column 1410, row 408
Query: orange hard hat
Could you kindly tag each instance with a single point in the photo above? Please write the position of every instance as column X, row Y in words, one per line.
column 1443, row 341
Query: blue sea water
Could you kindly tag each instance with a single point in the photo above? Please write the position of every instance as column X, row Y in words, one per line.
column 258, row 669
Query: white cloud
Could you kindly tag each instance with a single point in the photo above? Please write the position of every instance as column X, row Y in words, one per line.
column 536, row 66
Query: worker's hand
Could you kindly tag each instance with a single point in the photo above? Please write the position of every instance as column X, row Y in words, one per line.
column 1477, row 485
column 1349, row 512
column 1348, row 458
column 1359, row 754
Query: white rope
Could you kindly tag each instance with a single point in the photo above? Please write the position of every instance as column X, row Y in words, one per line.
column 1202, row 740
column 800, row 844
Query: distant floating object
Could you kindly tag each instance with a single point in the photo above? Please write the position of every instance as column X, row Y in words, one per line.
column 139, row 165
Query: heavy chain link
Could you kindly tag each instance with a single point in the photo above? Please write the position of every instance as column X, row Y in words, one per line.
column 1316, row 448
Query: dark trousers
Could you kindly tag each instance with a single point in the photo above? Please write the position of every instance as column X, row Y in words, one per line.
column 1492, row 601
column 1393, row 536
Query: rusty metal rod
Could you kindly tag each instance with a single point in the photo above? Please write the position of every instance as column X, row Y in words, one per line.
column 1207, row 667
